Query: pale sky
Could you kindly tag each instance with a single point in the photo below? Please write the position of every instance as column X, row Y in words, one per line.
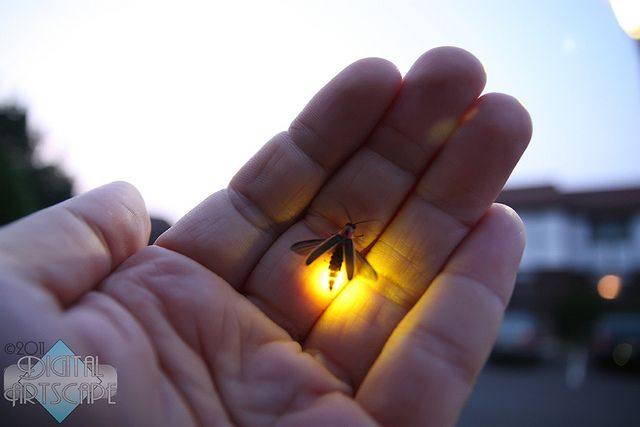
column 175, row 96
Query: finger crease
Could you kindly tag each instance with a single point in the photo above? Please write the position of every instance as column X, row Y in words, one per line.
column 438, row 204
column 460, row 277
column 242, row 203
column 439, row 346
column 300, row 126
column 403, row 135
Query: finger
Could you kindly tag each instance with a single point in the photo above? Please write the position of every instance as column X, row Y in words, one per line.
column 454, row 193
column 439, row 88
column 69, row 248
column 230, row 231
column 461, row 184
column 437, row 93
column 429, row 364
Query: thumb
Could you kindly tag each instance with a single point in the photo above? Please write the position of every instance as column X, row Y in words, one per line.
column 70, row 247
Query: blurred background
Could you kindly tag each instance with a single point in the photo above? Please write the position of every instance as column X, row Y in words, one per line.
column 175, row 96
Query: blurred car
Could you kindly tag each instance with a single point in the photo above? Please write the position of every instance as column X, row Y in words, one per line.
column 616, row 339
column 523, row 337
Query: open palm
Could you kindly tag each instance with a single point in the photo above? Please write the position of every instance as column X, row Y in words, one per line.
column 220, row 323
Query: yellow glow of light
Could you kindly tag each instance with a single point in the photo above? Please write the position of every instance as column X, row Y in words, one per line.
column 627, row 13
column 352, row 300
column 352, row 293
column 317, row 279
column 354, row 304
column 441, row 130
column 609, row 286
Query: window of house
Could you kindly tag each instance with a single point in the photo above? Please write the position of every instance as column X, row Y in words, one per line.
column 610, row 228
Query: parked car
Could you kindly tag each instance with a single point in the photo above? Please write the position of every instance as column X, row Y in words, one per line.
column 523, row 337
column 616, row 339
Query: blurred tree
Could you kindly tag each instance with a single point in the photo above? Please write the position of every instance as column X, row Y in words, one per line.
column 25, row 186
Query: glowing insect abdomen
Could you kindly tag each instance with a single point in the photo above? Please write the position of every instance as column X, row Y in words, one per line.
column 334, row 265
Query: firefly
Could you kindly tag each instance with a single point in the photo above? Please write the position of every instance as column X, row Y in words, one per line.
column 341, row 244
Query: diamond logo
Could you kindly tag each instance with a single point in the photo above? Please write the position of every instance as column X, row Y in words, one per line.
column 59, row 381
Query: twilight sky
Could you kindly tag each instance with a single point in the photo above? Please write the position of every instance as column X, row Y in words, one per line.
column 175, row 96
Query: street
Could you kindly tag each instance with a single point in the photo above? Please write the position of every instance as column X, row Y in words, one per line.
column 537, row 395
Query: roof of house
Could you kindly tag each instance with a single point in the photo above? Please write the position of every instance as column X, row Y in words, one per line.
column 621, row 199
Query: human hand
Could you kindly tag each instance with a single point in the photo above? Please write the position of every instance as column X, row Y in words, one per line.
column 220, row 323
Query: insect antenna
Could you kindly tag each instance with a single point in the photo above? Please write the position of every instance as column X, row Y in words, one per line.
column 362, row 222
column 346, row 210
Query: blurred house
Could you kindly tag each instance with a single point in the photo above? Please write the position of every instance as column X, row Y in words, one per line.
column 596, row 232
column 583, row 251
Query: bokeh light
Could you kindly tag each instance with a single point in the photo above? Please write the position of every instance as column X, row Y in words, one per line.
column 627, row 14
column 609, row 286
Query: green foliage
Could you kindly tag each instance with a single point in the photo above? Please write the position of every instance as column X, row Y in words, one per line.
column 25, row 186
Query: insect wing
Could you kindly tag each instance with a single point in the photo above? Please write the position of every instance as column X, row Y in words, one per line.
column 349, row 256
column 365, row 269
column 324, row 247
column 306, row 246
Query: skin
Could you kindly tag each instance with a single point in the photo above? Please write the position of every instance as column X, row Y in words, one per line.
column 217, row 323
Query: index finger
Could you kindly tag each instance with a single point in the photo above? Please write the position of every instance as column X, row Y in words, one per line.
column 229, row 231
